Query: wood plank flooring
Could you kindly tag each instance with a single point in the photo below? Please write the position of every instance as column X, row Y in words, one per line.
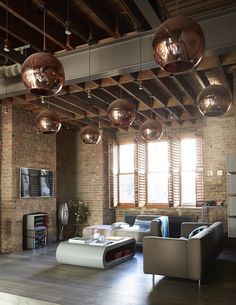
column 36, row 274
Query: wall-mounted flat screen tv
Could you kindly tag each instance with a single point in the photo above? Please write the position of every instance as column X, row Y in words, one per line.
column 36, row 182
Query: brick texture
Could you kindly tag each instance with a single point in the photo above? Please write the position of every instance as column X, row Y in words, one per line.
column 23, row 147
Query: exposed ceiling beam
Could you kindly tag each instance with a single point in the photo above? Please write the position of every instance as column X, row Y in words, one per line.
column 148, row 12
column 106, row 59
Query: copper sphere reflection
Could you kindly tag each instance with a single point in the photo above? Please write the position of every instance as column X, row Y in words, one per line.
column 151, row 130
column 90, row 134
column 43, row 74
column 121, row 112
column 178, row 44
column 48, row 122
column 214, row 100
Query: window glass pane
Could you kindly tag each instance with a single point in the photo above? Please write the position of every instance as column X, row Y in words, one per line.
column 126, row 188
column 158, row 188
column 188, row 188
column 126, row 158
column 158, row 157
column 188, row 154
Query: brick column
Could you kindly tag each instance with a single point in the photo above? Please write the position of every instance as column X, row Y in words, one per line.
column 6, row 205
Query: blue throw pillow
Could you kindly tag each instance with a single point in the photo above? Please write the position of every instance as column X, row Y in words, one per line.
column 196, row 231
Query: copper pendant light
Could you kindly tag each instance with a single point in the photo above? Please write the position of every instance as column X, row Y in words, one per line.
column 43, row 74
column 151, row 130
column 121, row 112
column 178, row 44
column 214, row 100
column 90, row 135
column 48, row 122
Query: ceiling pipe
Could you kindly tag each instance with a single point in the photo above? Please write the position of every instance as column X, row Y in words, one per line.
column 10, row 71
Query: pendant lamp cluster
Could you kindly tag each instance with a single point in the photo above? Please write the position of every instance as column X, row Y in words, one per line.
column 43, row 75
column 178, row 46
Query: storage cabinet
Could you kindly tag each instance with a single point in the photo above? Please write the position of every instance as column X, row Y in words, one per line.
column 35, row 230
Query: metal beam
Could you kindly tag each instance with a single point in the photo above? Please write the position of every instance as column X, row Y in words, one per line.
column 122, row 56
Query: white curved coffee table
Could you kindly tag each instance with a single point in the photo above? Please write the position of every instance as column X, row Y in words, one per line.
column 95, row 255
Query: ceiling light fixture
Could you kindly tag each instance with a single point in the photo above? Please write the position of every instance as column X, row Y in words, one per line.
column 6, row 46
column 214, row 100
column 48, row 122
column 121, row 112
column 67, row 24
column 42, row 73
column 178, row 44
column 90, row 134
column 151, row 130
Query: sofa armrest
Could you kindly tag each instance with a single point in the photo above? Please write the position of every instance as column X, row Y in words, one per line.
column 155, row 228
column 188, row 227
column 165, row 256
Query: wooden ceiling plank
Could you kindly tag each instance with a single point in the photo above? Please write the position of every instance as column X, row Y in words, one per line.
column 225, row 78
column 15, row 30
column 78, row 105
column 201, row 78
column 93, row 102
column 59, row 12
column 32, row 20
column 188, row 90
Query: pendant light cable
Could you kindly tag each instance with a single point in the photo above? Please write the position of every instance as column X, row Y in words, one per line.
column 44, row 34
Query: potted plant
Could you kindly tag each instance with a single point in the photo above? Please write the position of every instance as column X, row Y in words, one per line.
column 80, row 209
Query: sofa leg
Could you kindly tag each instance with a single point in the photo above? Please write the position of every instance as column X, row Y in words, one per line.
column 153, row 280
column 199, row 283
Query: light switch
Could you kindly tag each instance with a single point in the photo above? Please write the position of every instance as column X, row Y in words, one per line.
column 219, row 173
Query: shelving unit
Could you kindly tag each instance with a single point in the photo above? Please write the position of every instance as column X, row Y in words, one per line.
column 231, row 190
column 35, row 230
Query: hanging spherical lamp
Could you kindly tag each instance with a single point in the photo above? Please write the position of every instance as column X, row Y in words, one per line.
column 43, row 74
column 121, row 112
column 214, row 100
column 48, row 122
column 90, row 134
column 178, row 44
column 151, row 130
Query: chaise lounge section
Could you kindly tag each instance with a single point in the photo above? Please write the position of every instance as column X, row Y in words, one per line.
column 188, row 258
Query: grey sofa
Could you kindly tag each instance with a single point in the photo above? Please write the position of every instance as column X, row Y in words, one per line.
column 155, row 227
column 184, row 257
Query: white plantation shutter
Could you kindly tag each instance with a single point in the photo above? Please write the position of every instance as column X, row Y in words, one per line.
column 140, row 173
column 175, row 166
column 199, row 172
column 113, row 173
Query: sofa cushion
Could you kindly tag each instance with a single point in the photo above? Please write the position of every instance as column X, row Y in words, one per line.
column 120, row 225
column 196, row 231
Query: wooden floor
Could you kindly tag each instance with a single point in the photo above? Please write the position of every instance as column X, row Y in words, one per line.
column 36, row 274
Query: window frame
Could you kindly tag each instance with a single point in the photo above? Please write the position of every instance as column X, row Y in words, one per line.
column 174, row 180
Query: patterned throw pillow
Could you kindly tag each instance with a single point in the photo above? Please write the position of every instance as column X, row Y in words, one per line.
column 143, row 224
column 196, row 231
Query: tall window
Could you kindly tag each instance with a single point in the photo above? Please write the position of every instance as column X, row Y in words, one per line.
column 126, row 173
column 162, row 173
column 158, row 172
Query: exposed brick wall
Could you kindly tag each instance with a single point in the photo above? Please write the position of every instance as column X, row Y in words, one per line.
column 219, row 140
column 23, row 147
column 92, row 179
